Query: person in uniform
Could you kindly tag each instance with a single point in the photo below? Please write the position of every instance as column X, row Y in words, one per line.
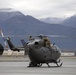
column 31, row 38
column 47, row 42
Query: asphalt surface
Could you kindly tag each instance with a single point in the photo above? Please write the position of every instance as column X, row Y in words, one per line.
column 20, row 67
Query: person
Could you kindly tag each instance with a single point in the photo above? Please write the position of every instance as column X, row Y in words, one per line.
column 31, row 38
column 41, row 36
column 47, row 42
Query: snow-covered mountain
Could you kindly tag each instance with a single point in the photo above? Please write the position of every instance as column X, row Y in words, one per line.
column 52, row 20
column 69, row 21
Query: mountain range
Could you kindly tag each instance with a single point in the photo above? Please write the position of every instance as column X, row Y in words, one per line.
column 52, row 20
column 16, row 23
column 69, row 21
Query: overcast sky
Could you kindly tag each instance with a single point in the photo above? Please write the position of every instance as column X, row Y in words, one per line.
column 42, row 8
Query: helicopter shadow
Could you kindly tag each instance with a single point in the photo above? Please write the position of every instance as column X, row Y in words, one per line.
column 44, row 67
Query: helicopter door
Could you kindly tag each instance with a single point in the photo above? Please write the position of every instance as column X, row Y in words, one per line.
column 46, row 53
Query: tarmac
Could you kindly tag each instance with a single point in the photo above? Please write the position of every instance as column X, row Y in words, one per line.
column 18, row 66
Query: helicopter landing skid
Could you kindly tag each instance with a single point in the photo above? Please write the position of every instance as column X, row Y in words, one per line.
column 59, row 63
column 48, row 64
column 32, row 64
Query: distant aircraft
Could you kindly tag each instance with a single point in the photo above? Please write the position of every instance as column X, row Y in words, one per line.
column 12, row 47
column 1, row 49
column 9, row 44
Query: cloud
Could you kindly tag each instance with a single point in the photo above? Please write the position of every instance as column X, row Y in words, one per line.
column 42, row 8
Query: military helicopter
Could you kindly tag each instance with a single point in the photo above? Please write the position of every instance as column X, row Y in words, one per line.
column 40, row 52
column 12, row 47
column 8, row 42
column 1, row 49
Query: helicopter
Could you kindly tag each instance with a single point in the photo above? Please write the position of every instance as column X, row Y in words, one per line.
column 9, row 45
column 12, row 47
column 1, row 49
column 39, row 52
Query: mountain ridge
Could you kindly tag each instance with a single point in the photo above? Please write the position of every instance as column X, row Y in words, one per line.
column 70, row 21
